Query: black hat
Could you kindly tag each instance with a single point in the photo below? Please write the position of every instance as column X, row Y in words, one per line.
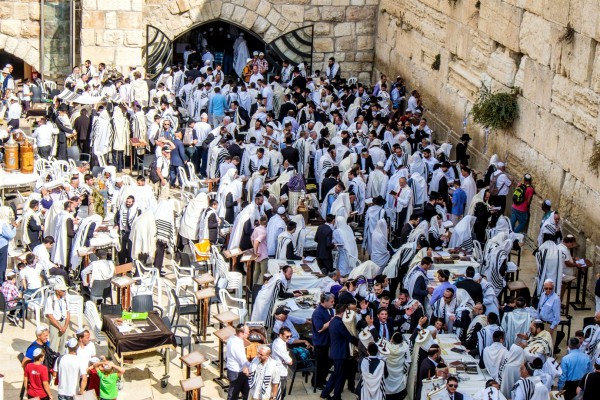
column 465, row 136
column 63, row 107
column 282, row 310
column 379, row 201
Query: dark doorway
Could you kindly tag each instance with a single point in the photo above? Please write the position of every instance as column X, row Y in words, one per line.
column 16, row 62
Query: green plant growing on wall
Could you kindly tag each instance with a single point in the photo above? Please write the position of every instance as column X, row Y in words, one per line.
column 568, row 34
column 496, row 110
column 436, row 63
column 594, row 161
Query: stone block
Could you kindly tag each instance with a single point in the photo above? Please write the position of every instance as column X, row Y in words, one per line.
column 227, row 10
column 578, row 59
column 282, row 24
column 183, row 5
column 114, row 5
column 238, row 15
column 127, row 56
column 537, row 82
column 502, row 22
column 322, row 29
column 273, row 17
column 595, row 80
column 293, row 13
column 6, row 10
column 364, row 76
column 260, row 25
column 502, row 68
column 585, row 110
column 30, row 29
column 250, row 19
column 562, row 98
column 533, row 6
column 343, row 29
column 263, row 9
column 583, row 17
column 137, row 5
column 88, row 37
column 535, row 38
column 129, row 20
column 466, row 81
column 10, row 27
column 323, row 45
column 252, row 4
column 111, row 19
column 333, row 14
column 134, row 38
column 345, row 43
column 312, row 14
column 365, row 27
column 365, row 56
column 357, row 2
column 359, row 13
column 11, row 44
column 93, row 20
column 557, row 11
column 96, row 53
column 271, row 34
column 34, row 11
column 88, row 4
column 112, row 37
column 365, row 42
column 20, row 11
column 524, row 126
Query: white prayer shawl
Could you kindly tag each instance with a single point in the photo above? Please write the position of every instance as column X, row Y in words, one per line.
column 540, row 346
column 373, row 215
column 241, row 54
column 478, row 198
column 102, row 134
column 492, row 357
column 249, row 152
column 489, row 393
column 549, row 266
column 282, row 244
column 165, row 223
column 434, row 185
column 548, row 227
column 80, row 237
column 481, row 320
column 275, row 188
column 509, row 372
column 262, row 377
column 592, row 344
column 144, row 198
column 517, row 321
column 463, row 234
column 60, row 254
column 485, row 337
column 254, row 185
column 51, row 218
column 347, row 163
column 251, row 213
column 347, row 240
column 325, row 164
column 121, row 127
column 530, row 388
column 324, row 203
column 265, row 300
column 503, row 225
column 460, row 303
column 216, row 157
column 398, row 364
column 299, row 236
column 419, row 188
column 411, row 278
column 360, row 191
column 372, row 384
column 27, row 216
column 189, row 223
column 421, row 230
column 435, row 228
column 470, row 188
column 377, row 184
column 494, row 257
column 143, row 235
column 551, row 369
column 341, row 206
column 490, row 299
column 417, row 165
column 275, row 227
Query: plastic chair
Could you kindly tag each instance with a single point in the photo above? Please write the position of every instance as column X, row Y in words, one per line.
column 184, row 305
column 183, row 277
column 233, row 280
column 5, row 309
column 352, row 80
column 36, row 301
column 101, row 290
column 146, row 283
column 142, row 303
column 310, row 367
column 180, row 341
column 186, row 183
column 93, row 320
column 233, row 304
column 76, row 308
column 111, row 309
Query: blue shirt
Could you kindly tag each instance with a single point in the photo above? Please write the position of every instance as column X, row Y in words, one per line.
column 549, row 309
column 574, row 367
column 218, row 105
column 439, row 291
column 459, row 202
column 320, row 317
column 8, row 232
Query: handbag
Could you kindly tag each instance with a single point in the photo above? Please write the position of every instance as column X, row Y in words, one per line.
column 579, row 396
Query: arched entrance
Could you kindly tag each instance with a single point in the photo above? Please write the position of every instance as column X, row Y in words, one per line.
column 219, row 36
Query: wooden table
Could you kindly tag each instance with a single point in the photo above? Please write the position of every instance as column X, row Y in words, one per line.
column 248, row 258
column 135, row 145
column 566, row 283
column 582, row 275
column 223, row 335
column 123, row 286
column 210, row 182
column 203, row 296
column 232, row 256
column 226, row 318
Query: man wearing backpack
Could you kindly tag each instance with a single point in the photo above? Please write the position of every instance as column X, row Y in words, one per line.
column 522, row 196
column 499, row 186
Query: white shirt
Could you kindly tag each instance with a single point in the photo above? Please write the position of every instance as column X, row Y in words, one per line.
column 289, row 323
column 236, row 355
column 14, row 111
column 87, row 352
column 43, row 135
column 101, row 270
column 163, row 164
column 31, row 275
column 58, row 308
column 255, row 77
column 70, row 369
column 202, row 130
column 502, row 182
column 267, row 93
column 280, row 353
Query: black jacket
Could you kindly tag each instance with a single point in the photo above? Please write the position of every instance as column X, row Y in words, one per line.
column 324, row 239
column 292, row 155
column 283, row 110
column 366, row 164
column 473, row 288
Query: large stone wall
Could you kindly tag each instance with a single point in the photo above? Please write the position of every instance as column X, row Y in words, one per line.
column 114, row 30
column 20, row 30
column 507, row 43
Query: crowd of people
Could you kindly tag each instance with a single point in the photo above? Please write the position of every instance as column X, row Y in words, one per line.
column 283, row 150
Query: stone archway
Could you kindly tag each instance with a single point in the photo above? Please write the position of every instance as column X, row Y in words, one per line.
column 25, row 49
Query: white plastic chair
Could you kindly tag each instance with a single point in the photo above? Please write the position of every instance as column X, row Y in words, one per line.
column 36, row 301
column 76, row 308
column 60, row 169
column 93, row 320
column 72, row 163
column 49, row 86
column 233, row 280
column 352, row 80
column 183, row 277
column 233, row 304
column 146, row 283
column 193, row 176
column 186, row 183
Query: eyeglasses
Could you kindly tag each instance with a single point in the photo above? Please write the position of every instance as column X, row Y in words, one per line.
column 287, row 336
column 547, row 288
column 452, row 385
column 448, row 298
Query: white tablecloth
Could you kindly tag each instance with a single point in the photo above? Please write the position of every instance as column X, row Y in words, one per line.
column 300, row 279
column 16, row 179
column 314, row 294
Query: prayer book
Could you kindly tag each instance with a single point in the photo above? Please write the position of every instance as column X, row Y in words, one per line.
column 309, row 259
column 581, row 262
column 443, row 254
column 447, row 224
column 291, row 304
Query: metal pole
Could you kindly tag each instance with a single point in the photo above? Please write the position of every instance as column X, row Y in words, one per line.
column 72, row 23
column 42, row 40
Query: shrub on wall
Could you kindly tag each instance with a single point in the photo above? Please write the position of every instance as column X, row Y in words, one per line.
column 496, row 110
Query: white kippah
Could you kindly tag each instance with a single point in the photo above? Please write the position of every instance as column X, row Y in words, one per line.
column 281, row 210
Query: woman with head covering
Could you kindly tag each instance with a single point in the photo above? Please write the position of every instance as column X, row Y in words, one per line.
column 8, row 230
column 379, row 252
column 343, row 237
column 509, row 371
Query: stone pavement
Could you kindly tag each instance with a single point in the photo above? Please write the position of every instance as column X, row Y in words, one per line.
column 142, row 379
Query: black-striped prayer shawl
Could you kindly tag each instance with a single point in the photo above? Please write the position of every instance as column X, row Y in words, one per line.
column 165, row 231
column 223, row 153
column 399, row 162
column 526, row 386
column 263, row 379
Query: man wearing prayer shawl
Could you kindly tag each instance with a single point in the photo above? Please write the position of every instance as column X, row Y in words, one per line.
column 275, row 289
column 539, row 344
column 463, row 234
column 401, row 204
column 419, row 188
column 379, row 252
column 485, row 337
column 165, row 232
column 264, row 376
column 468, row 185
column 509, row 371
column 244, row 224
column 256, row 183
column 374, row 213
column 377, row 183
column 275, row 227
column 83, row 235
column 478, row 322
column 216, row 157
column 373, row 371
column 330, row 198
column 209, row 223
column 343, row 238
column 285, row 244
column 397, row 363
column 549, row 266
column 189, row 224
column 529, row 387
column 124, row 220
column 416, row 280
column 455, row 310
column 63, row 235
column 592, row 341
column 102, row 135
column 357, row 185
column 551, row 229
column 326, row 162
column 516, row 322
column 495, row 260
column 230, row 196
column 494, row 355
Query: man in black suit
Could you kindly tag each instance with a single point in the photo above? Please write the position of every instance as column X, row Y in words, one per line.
column 290, row 153
column 298, row 81
column 324, row 239
column 339, row 353
column 408, row 228
column 428, row 366
column 240, row 116
column 366, row 161
column 451, row 387
column 330, row 180
column 287, row 106
column 473, row 288
column 429, row 210
column 382, row 326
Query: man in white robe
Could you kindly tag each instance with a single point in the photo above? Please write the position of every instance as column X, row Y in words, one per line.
column 240, row 55
column 529, row 387
column 468, row 185
column 63, row 235
column 374, row 214
column 251, row 213
column 357, row 185
column 275, row 227
column 516, row 322
column 377, row 183
column 275, row 289
column 257, row 182
column 102, row 135
column 494, row 354
column 372, row 368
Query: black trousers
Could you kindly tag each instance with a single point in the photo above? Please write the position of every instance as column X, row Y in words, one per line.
column 159, row 255
column 125, row 253
column 325, row 264
column 238, row 383
column 336, row 380
column 323, row 364
column 570, row 389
